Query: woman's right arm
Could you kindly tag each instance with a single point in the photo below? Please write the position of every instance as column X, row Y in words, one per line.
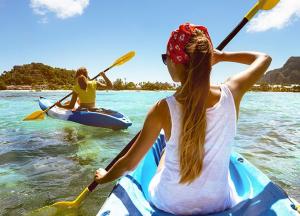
column 72, row 103
column 240, row 83
column 151, row 129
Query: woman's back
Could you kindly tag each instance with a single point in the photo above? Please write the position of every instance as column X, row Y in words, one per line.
column 210, row 191
column 88, row 95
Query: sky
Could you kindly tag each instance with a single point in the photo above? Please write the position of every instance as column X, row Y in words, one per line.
column 94, row 33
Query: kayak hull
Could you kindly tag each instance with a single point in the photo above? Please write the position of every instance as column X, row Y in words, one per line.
column 257, row 194
column 114, row 120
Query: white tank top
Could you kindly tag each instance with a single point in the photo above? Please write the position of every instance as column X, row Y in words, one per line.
column 210, row 192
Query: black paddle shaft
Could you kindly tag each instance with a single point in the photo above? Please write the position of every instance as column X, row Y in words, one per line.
column 232, row 34
column 72, row 92
column 94, row 184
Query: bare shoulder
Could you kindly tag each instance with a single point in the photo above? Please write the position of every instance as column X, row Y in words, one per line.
column 157, row 115
column 164, row 117
column 162, row 104
column 161, row 108
column 159, row 112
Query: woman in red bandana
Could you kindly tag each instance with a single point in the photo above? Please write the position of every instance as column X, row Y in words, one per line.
column 199, row 122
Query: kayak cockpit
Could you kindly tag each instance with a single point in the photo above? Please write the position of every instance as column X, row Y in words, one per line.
column 256, row 194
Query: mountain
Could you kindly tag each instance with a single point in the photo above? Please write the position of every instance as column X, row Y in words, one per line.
column 35, row 74
column 288, row 74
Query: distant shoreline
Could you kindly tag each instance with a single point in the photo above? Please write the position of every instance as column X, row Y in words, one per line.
column 62, row 90
column 256, row 88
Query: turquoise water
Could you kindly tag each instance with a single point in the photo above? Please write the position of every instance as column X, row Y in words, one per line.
column 47, row 161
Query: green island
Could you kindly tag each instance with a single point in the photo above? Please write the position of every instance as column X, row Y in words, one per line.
column 38, row 76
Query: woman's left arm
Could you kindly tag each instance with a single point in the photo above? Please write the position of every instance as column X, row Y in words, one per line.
column 151, row 129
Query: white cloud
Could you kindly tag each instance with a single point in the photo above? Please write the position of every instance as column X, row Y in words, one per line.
column 61, row 8
column 282, row 15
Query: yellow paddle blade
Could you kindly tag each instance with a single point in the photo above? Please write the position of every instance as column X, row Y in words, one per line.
column 57, row 209
column 66, row 208
column 125, row 58
column 261, row 5
column 37, row 115
column 268, row 4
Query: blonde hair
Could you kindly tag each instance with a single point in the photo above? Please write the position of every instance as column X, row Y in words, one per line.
column 82, row 77
column 193, row 95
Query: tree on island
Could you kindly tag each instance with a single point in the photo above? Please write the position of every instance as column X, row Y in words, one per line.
column 157, row 86
column 2, row 85
column 118, row 84
column 130, row 86
column 37, row 74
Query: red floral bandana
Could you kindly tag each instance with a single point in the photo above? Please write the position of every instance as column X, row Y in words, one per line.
column 179, row 39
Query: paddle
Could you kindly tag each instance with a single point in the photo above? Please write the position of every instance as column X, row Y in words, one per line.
column 68, row 207
column 261, row 4
column 40, row 114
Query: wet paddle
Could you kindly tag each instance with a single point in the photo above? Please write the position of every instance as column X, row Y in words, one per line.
column 40, row 114
column 59, row 207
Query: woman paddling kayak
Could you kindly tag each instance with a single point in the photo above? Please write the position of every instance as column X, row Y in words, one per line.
column 199, row 122
column 85, row 90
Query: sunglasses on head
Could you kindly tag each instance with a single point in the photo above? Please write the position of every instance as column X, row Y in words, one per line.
column 164, row 58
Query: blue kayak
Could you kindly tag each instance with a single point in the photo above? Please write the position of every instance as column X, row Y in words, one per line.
column 257, row 194
column 106, row 119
